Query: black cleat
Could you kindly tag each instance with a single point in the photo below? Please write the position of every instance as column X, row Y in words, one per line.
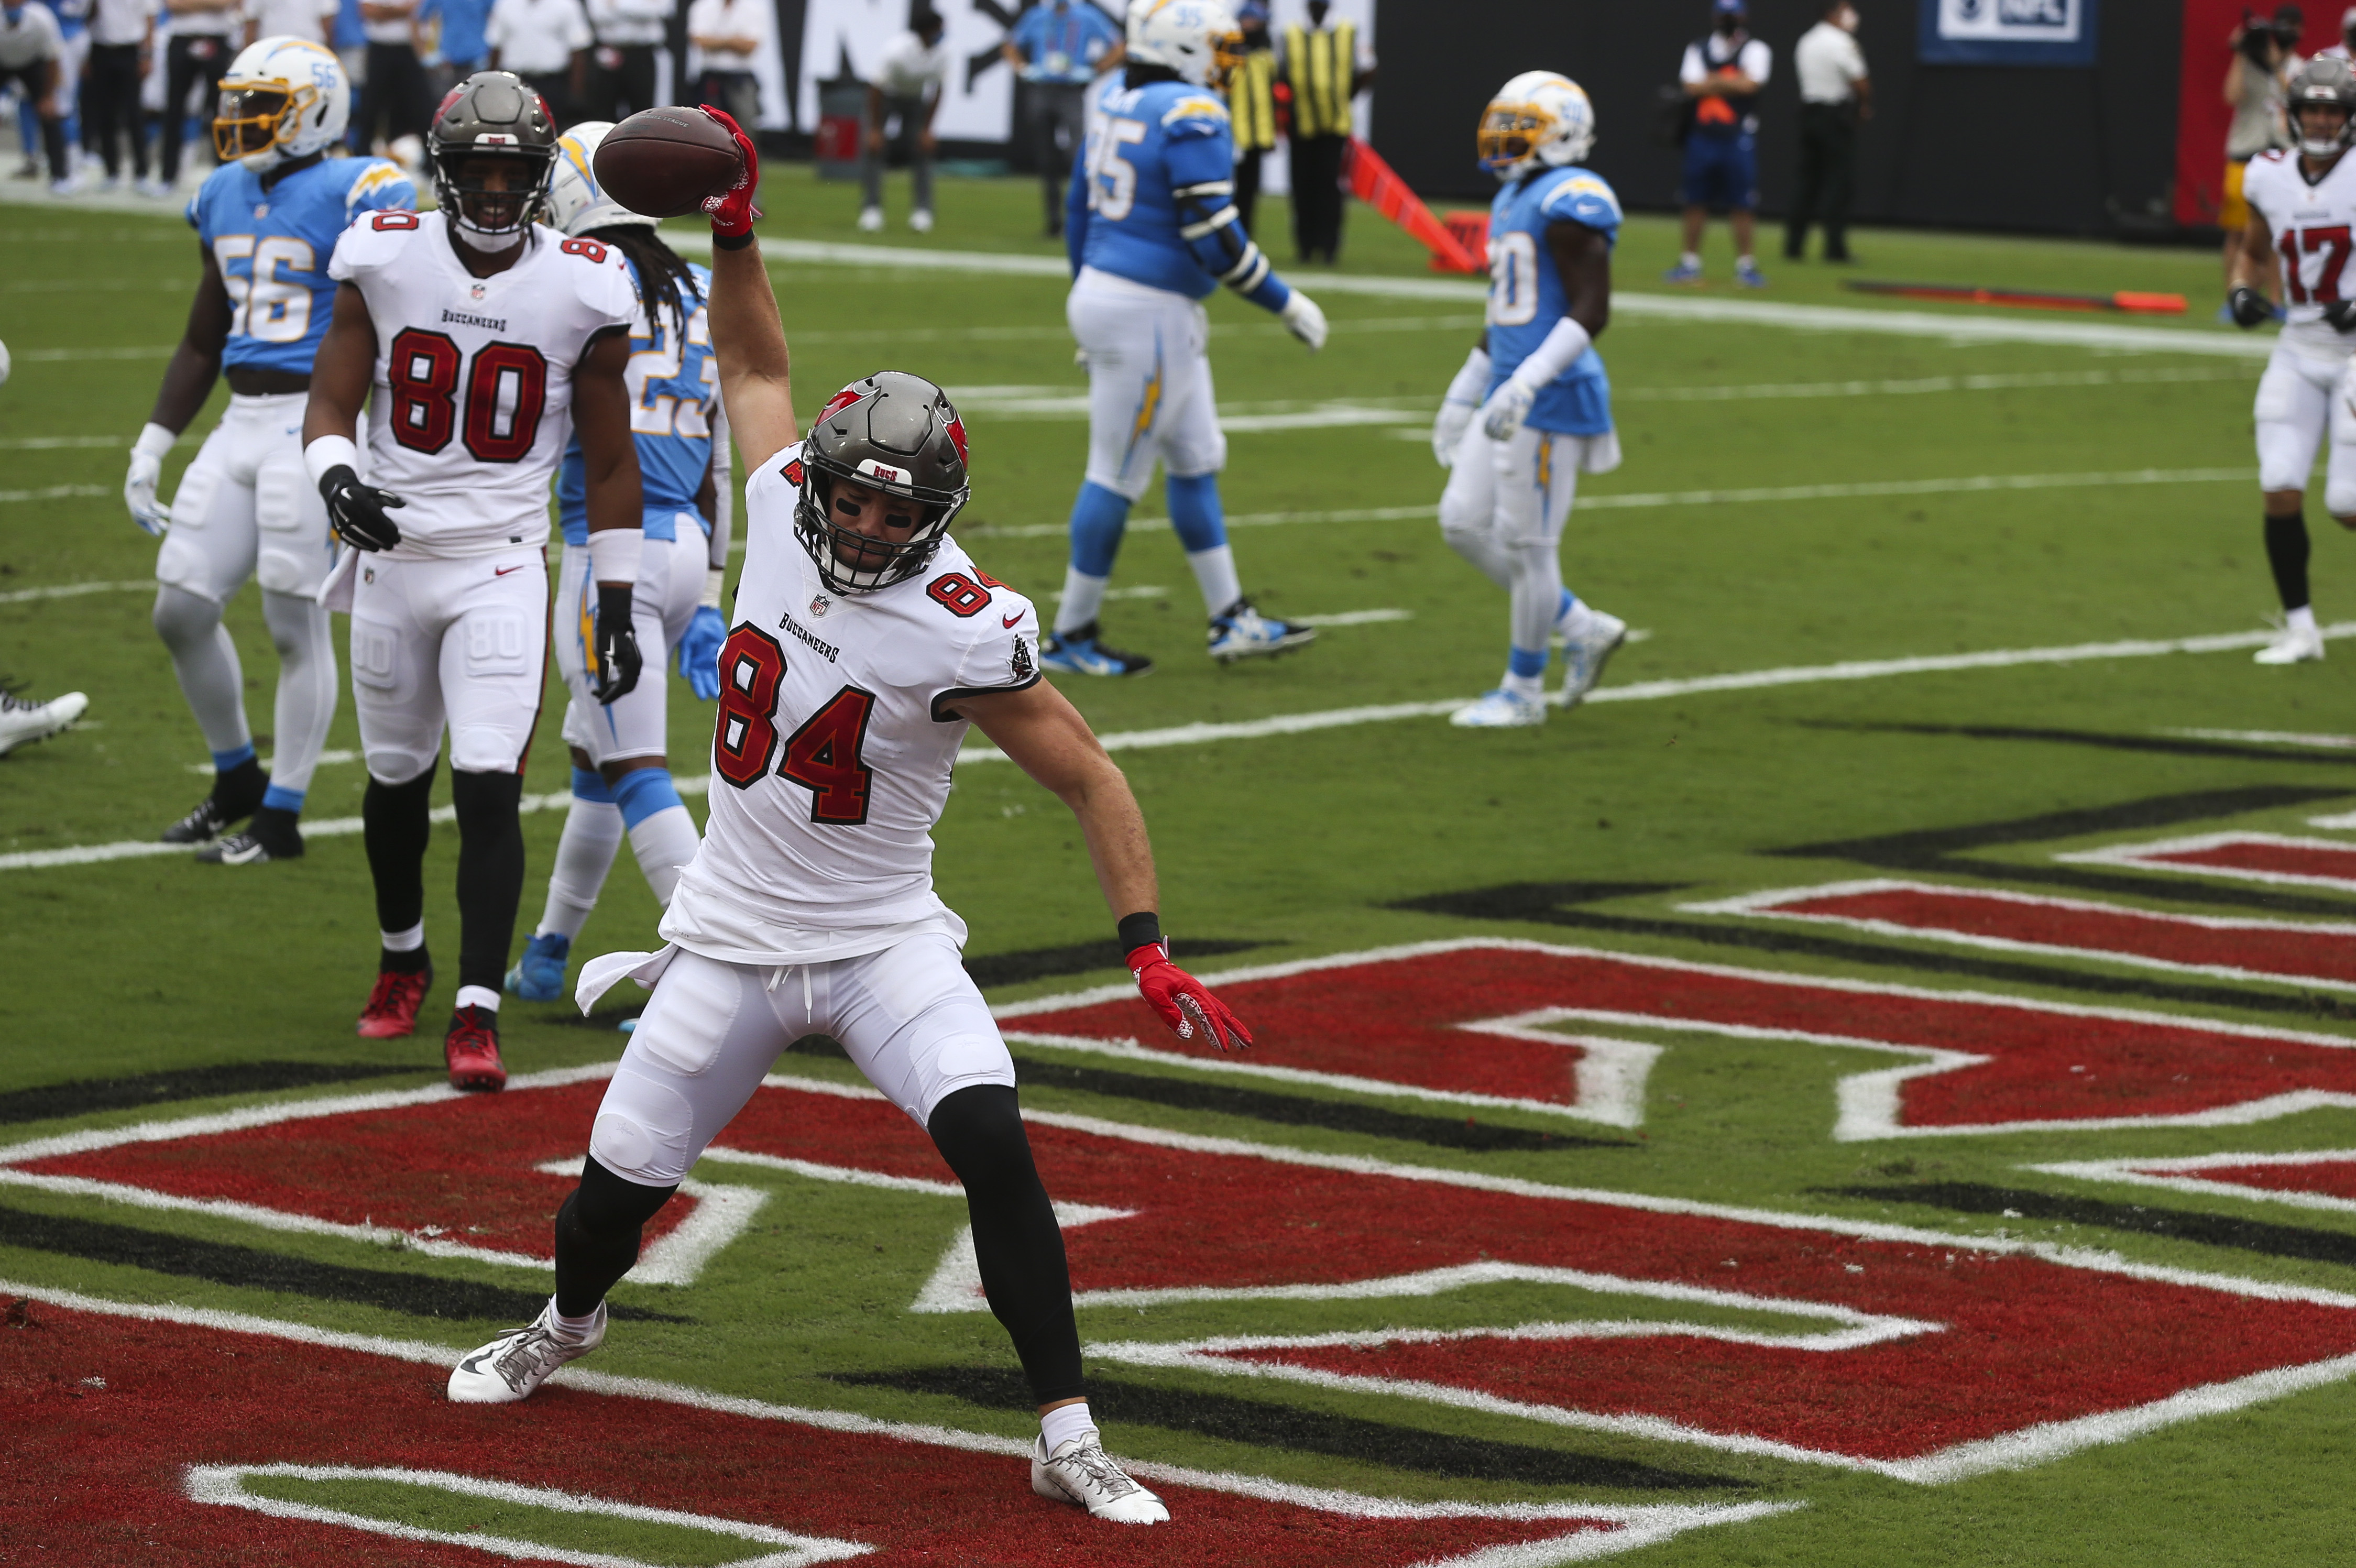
column 272, row 834
column 236, row 796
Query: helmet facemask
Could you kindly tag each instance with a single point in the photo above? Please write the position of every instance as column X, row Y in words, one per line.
column 2315, row 146
column 1511, row 135
column 492, row 196
column 252, row 117
column 849, row 560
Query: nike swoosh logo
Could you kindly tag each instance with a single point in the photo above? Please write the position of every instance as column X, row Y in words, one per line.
column 1010, row 620
column 503, row 571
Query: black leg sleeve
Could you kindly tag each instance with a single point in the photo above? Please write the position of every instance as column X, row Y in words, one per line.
column 597, row 1235
column 1015, row 1239
column 395, row 825
column 490, row 872
column 2287, row 553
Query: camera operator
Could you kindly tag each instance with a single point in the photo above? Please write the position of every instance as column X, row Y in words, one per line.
column 2254, row 89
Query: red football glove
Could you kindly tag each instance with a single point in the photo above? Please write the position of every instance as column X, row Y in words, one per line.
column 1181, row 999
column 733, row 214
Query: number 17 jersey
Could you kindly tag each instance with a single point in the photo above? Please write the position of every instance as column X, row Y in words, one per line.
column 2314, row 228
column 831, row 754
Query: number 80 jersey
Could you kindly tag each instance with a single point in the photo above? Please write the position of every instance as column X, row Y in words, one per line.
column 831, row 755
column 473, row 398
column 272, row 243
column 2314, row 230
column 1527, row 296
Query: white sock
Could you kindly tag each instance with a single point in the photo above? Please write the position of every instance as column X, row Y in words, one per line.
column 570, row 1327
column 1214, row 574
column 593, row 832
column 2301, row 618
column 664, row 843
column 1689, row 259
column 1743, row 262
column 409, row 940
column 1083, row 597
column 1063, row 1423
column 476, row 996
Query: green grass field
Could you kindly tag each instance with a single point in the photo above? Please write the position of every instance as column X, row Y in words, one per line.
column 1305, row 843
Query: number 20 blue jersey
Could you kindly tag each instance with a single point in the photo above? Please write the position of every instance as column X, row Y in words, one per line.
column 1527, row 299
column 272, row 247
column 674, row 386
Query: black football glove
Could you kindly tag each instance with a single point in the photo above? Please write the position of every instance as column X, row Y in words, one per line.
column 617, row 645
column 2249, row 307
column 2342, row 314
column 357, row 511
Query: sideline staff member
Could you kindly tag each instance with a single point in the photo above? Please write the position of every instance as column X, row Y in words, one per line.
column 1834, row 95
column 1722, row 75
column 1251, row 105
column 1320, row 69
column 1059, row 47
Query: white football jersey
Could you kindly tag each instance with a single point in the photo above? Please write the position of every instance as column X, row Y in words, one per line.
column 473, row 400
column 2314, row 226
column 831, row 755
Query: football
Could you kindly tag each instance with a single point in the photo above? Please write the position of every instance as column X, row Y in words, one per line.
column 664, row 162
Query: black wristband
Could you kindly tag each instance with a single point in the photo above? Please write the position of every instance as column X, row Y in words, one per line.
column 614, row 600
column 1140, row 929
column 733, row 241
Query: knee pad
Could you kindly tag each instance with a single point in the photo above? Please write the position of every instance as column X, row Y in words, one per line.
column 1462, row 509
column 608, row 1205
column 291, row 558
column 643, row 1130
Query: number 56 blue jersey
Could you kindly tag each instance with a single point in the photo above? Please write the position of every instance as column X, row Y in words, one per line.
column 1527, row 296
column 272, row 247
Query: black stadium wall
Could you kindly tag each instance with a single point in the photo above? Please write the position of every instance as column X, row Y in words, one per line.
column 2052, row 150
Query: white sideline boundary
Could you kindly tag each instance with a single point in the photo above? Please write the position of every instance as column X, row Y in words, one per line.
column 1343, row 718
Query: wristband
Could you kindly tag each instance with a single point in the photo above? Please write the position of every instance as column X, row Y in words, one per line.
column 1560, row 352
column 330, row 452
column 732, row 242
column 615, row 553
column 154, row 440
column 715, row 584
column 1140, row 929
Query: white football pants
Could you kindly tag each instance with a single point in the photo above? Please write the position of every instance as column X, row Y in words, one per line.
column 246, row 508
column 909, row 1016
column 2301, row 398
column 1504, row 508
column 670, row 587
column 458, row 641
column 1148, row 383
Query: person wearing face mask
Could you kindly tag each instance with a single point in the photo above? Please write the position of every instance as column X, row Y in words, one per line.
column 1722, row 75
column 1836, row 94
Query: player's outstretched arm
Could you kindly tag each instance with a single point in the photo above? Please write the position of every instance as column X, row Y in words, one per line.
column 748, row 339
column 1202, row 185
column 1046, row 736
column 188, row 381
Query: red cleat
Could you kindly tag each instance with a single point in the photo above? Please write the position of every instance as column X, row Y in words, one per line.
column 472, row 1050
column 392, row 1009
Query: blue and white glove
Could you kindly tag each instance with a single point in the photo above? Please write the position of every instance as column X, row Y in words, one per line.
column 147, row 471
column 1457, row 408
column 699, row 652
column 1501, row 415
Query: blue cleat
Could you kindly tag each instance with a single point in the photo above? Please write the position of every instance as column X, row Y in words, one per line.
column 539, row 975
column 1077, row 652
column 1682, row 274
column 1242, row 633
column 1748, row 274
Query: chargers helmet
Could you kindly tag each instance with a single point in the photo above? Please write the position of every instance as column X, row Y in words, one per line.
column 2328, row 82
column 576, row 202
column 491, row 115
column 1196, row 38
column 281, row 98
column 1540, row 118
column 894, row 432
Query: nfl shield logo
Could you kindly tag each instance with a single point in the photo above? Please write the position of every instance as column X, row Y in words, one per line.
column 820, row 604
column 477, row 291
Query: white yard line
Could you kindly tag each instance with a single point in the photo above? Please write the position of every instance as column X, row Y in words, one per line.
column 73, row 591
column 57, row 492
column 51, row 443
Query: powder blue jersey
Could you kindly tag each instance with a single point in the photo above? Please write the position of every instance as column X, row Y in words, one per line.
column 674, row 386
column 1146, row 142
column 1526, row 294
column 272, row 248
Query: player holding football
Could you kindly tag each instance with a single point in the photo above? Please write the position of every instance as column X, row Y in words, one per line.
column 2302, row 208
column 1531, row 410
column 483, row 339
column 1151, row 231
column 865, row 643
column 267, row 221
column 621, row 777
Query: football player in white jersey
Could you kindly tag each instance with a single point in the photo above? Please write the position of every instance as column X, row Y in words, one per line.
column 2302, row 218
column 477, row 339
column 864, row 644
column 267, row 221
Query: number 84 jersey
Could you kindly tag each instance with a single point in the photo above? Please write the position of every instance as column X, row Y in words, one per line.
column 2314, row 228
column 831, row 755
column 473, row 397
column 1527, row 296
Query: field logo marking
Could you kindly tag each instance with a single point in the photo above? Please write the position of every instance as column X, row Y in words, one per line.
column 2244, row 856
column 224, row 1485
column 2322, row 1179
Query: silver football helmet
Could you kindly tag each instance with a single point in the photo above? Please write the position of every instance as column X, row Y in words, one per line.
column 2329, row 84
column 897, row 433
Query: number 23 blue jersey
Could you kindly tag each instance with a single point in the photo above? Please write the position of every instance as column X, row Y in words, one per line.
column 1526, row 297
column 674, row 387
column 272, row 246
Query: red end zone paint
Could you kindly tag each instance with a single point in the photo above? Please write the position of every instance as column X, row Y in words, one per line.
column 2001, row 1064
column 2330, row 1178
column 2253, row 857
column 2314, row 954
column 109, row 1488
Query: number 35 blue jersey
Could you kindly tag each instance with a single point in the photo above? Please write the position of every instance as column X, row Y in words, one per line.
column 1527, row 299
column 272, row 247
column 1146, row 142
column 674, row 387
